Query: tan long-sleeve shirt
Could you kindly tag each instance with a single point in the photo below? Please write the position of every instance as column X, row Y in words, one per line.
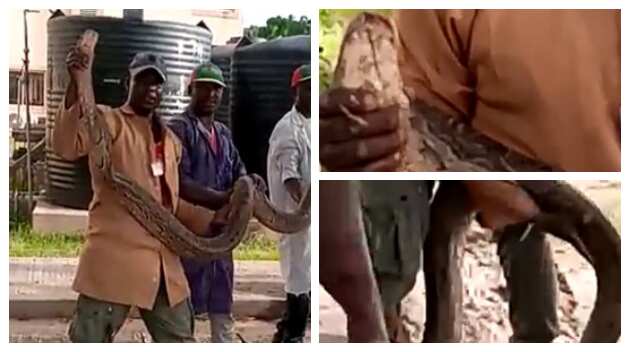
column 543, row 82
column 120, row 261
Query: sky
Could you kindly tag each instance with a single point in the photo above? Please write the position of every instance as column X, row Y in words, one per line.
column 259, row 16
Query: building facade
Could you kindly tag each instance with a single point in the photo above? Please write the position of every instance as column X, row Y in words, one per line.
column 224, row 25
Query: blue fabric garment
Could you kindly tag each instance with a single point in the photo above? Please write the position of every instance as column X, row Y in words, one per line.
column 211, row 282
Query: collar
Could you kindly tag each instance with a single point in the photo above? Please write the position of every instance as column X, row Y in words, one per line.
column 301, row 122
column 127, row 110
column 297, row 118
column 197, row 123
column 191, row 114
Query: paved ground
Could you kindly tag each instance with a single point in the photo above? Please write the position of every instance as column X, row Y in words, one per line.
column 41, row 301
column 40, row 288
column 485, row 307
column 54, row 330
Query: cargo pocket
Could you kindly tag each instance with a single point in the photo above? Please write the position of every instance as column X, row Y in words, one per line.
column 412, row 217
column 96, row 321
column 382, row 234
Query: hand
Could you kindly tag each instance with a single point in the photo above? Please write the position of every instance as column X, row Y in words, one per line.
column 76, row 62
column 370, row 139
column 259, row 183
column 220, row 221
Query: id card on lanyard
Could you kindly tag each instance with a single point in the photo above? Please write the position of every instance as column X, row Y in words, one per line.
column 157, row 165
column 214, row 145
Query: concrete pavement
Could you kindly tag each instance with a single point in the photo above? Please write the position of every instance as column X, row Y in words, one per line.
column 40, row 288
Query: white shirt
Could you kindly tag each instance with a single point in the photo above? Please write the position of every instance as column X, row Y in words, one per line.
column 290, row 157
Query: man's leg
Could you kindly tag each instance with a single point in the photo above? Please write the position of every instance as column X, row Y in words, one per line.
column 221, row 284
column 221, row 328
column 531, row 281
column 393, row 323
column 396, row 219
column 169, row 324
column 96, row 321
column 393, row 289
column 344, row 263
column 295, row 266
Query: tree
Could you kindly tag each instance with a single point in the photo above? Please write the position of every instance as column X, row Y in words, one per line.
column 279, row 26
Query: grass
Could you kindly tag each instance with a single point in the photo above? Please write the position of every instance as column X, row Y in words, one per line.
column 24, row 242
column 257, row 247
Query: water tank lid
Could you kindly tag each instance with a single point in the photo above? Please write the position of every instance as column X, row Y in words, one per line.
column 244, row 41
column 56, row 13
column 203, row 25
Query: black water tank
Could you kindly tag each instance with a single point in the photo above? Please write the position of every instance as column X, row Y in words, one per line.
column 261, row 94
column 222, row 57
column 182, row 46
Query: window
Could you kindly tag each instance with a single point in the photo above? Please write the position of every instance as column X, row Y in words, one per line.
column 231, row 13
column 88, row 12
column 36, row 88
column 133, row 14
column 14, row 84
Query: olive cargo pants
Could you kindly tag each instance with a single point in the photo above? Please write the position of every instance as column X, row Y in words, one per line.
column 99, row 321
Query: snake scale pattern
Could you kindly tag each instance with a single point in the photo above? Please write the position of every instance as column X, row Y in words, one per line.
column 246, row 201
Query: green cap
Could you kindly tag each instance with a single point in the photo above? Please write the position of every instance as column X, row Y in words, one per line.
column 208, row 72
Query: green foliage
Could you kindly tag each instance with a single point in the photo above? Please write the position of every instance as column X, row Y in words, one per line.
column 24, row 242
column 332, row 24
column 279, row 26
column 257, row 247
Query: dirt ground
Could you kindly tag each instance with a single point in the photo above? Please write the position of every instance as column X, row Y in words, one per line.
column 485, row 305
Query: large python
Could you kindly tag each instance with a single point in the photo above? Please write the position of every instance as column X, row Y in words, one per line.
column 368, row 63
column 246, row 200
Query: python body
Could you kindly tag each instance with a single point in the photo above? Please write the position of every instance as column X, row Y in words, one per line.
column 246, row 200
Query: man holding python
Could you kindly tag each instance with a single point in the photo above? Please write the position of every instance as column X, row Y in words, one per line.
column 122, row 264
column 209, row 166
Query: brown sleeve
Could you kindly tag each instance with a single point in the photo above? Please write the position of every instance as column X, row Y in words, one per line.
column 197, row 219
column 500, row 203
column 69, row 137
column 433, row 57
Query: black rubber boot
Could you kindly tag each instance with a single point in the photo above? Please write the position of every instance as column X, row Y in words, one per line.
column 292, row 327
column 281, row 329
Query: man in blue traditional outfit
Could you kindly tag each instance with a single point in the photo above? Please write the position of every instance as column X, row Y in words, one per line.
column 209, row 166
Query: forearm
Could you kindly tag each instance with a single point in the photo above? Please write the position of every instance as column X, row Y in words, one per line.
column 71, row 94
column 69, row 138
column 292, row 186
column 345, row 268
column 206, row 197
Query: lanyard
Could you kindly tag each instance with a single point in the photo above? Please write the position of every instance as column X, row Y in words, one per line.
column 157, row 165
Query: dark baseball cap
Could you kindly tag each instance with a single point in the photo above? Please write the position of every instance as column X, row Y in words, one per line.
column 146, row 61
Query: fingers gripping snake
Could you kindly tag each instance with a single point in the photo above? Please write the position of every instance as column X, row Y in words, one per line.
column 246, row 200
column 368, row 63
